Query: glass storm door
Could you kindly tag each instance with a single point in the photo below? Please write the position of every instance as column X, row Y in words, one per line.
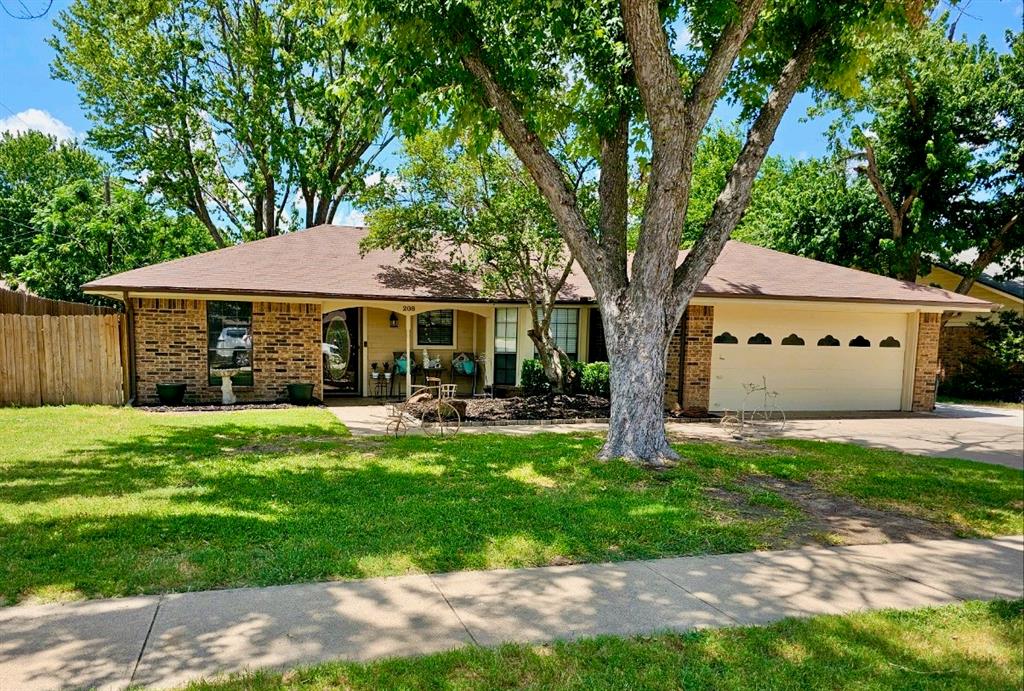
column 341, row 351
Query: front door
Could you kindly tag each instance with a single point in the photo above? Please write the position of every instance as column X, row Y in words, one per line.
column 341, row 343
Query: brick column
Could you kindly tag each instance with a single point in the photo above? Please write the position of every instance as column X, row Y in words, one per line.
column 926, row 362
column 286, row 348
column 698, row 324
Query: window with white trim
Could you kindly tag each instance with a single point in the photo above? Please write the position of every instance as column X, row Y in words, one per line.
column 435, row 328
column 506, row 334
column 565, row 329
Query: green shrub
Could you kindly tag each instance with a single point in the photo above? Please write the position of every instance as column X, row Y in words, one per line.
column 595, row 379
column 534, row 381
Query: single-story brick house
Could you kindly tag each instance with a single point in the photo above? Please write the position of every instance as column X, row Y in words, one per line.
column 961, row 335
column 826, row 337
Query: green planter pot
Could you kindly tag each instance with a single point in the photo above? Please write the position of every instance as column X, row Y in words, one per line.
column 170, row 394
column 300, row 394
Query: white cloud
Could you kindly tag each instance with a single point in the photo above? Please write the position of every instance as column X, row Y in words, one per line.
column 354, row 218
column 38, row 120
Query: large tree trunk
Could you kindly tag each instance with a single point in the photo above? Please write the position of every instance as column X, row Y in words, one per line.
column 637, row 342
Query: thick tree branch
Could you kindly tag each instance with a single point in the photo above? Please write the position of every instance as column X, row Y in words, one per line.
column 708, row 87
column 870, row 169
column 988, row 255
column 613, row 192
column 733, row 200
column 655, row 71
column 542, row 166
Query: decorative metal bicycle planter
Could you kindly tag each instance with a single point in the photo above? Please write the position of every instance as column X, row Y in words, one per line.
column 765, row 418
column 429, row 408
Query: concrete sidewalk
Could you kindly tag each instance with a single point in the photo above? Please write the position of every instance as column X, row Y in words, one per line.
column 170, row 640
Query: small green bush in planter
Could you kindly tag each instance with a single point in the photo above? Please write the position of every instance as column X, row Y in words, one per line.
column 595, row 379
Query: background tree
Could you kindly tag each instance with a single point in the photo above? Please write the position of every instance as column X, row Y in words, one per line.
column 229, row 109
column 480, row 208
column 32, row 166
column 936, row 132
column 603, row 71
column 80, row 236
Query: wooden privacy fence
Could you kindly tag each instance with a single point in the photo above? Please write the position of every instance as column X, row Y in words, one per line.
column 49, row 360
column 16, row 302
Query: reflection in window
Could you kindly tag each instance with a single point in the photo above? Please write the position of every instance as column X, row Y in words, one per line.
column 435, row 328
column 229, row 341
column 860, row 342
column 889, row 342
column 828, row 341
column 759, row 339
column 792, row 339
column 726, row 337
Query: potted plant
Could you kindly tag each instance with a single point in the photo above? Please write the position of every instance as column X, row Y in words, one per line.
column 387, row 370
column 300, row 394
column 170, row 394
column 374, row 374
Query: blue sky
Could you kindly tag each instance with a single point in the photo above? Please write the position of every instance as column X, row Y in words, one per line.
column 30, row 98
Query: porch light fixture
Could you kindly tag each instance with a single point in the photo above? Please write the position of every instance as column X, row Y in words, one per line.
column 393, row 320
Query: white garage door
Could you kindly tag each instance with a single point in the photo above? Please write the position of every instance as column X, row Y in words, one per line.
column 816, row 360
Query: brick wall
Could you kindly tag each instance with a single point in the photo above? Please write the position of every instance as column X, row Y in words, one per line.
column 957, row 345
column 286, row 348
column 170, row 347
column 696, row 381
column 926, row 365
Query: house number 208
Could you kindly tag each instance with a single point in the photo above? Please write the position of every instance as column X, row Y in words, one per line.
column 408, row 308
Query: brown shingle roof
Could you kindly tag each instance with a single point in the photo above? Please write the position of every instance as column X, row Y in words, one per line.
column 325, row 262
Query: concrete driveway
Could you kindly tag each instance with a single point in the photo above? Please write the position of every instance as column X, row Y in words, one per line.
column 989, row 435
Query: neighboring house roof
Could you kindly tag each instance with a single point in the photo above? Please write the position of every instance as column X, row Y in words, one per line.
column 1014, row 288
column 325, row 262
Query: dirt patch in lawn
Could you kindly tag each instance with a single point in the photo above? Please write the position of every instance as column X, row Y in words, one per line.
column 838, row 520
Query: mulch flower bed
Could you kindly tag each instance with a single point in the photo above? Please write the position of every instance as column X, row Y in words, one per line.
column 549, row 407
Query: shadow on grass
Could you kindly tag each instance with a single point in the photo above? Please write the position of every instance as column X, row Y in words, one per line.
column 185, row 507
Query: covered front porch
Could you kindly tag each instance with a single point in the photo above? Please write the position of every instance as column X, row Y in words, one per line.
column 374, row 349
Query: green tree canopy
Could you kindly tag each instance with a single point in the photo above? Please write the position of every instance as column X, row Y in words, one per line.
column 936, row 131
column 32, row 166
column 81, row 237
column 232, row 110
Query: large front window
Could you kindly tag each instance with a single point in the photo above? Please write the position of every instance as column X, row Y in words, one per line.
column 229, row 341
column 436, row 328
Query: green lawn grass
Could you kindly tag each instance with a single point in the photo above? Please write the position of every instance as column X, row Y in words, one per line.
column 99, row 501
column 974, row 645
